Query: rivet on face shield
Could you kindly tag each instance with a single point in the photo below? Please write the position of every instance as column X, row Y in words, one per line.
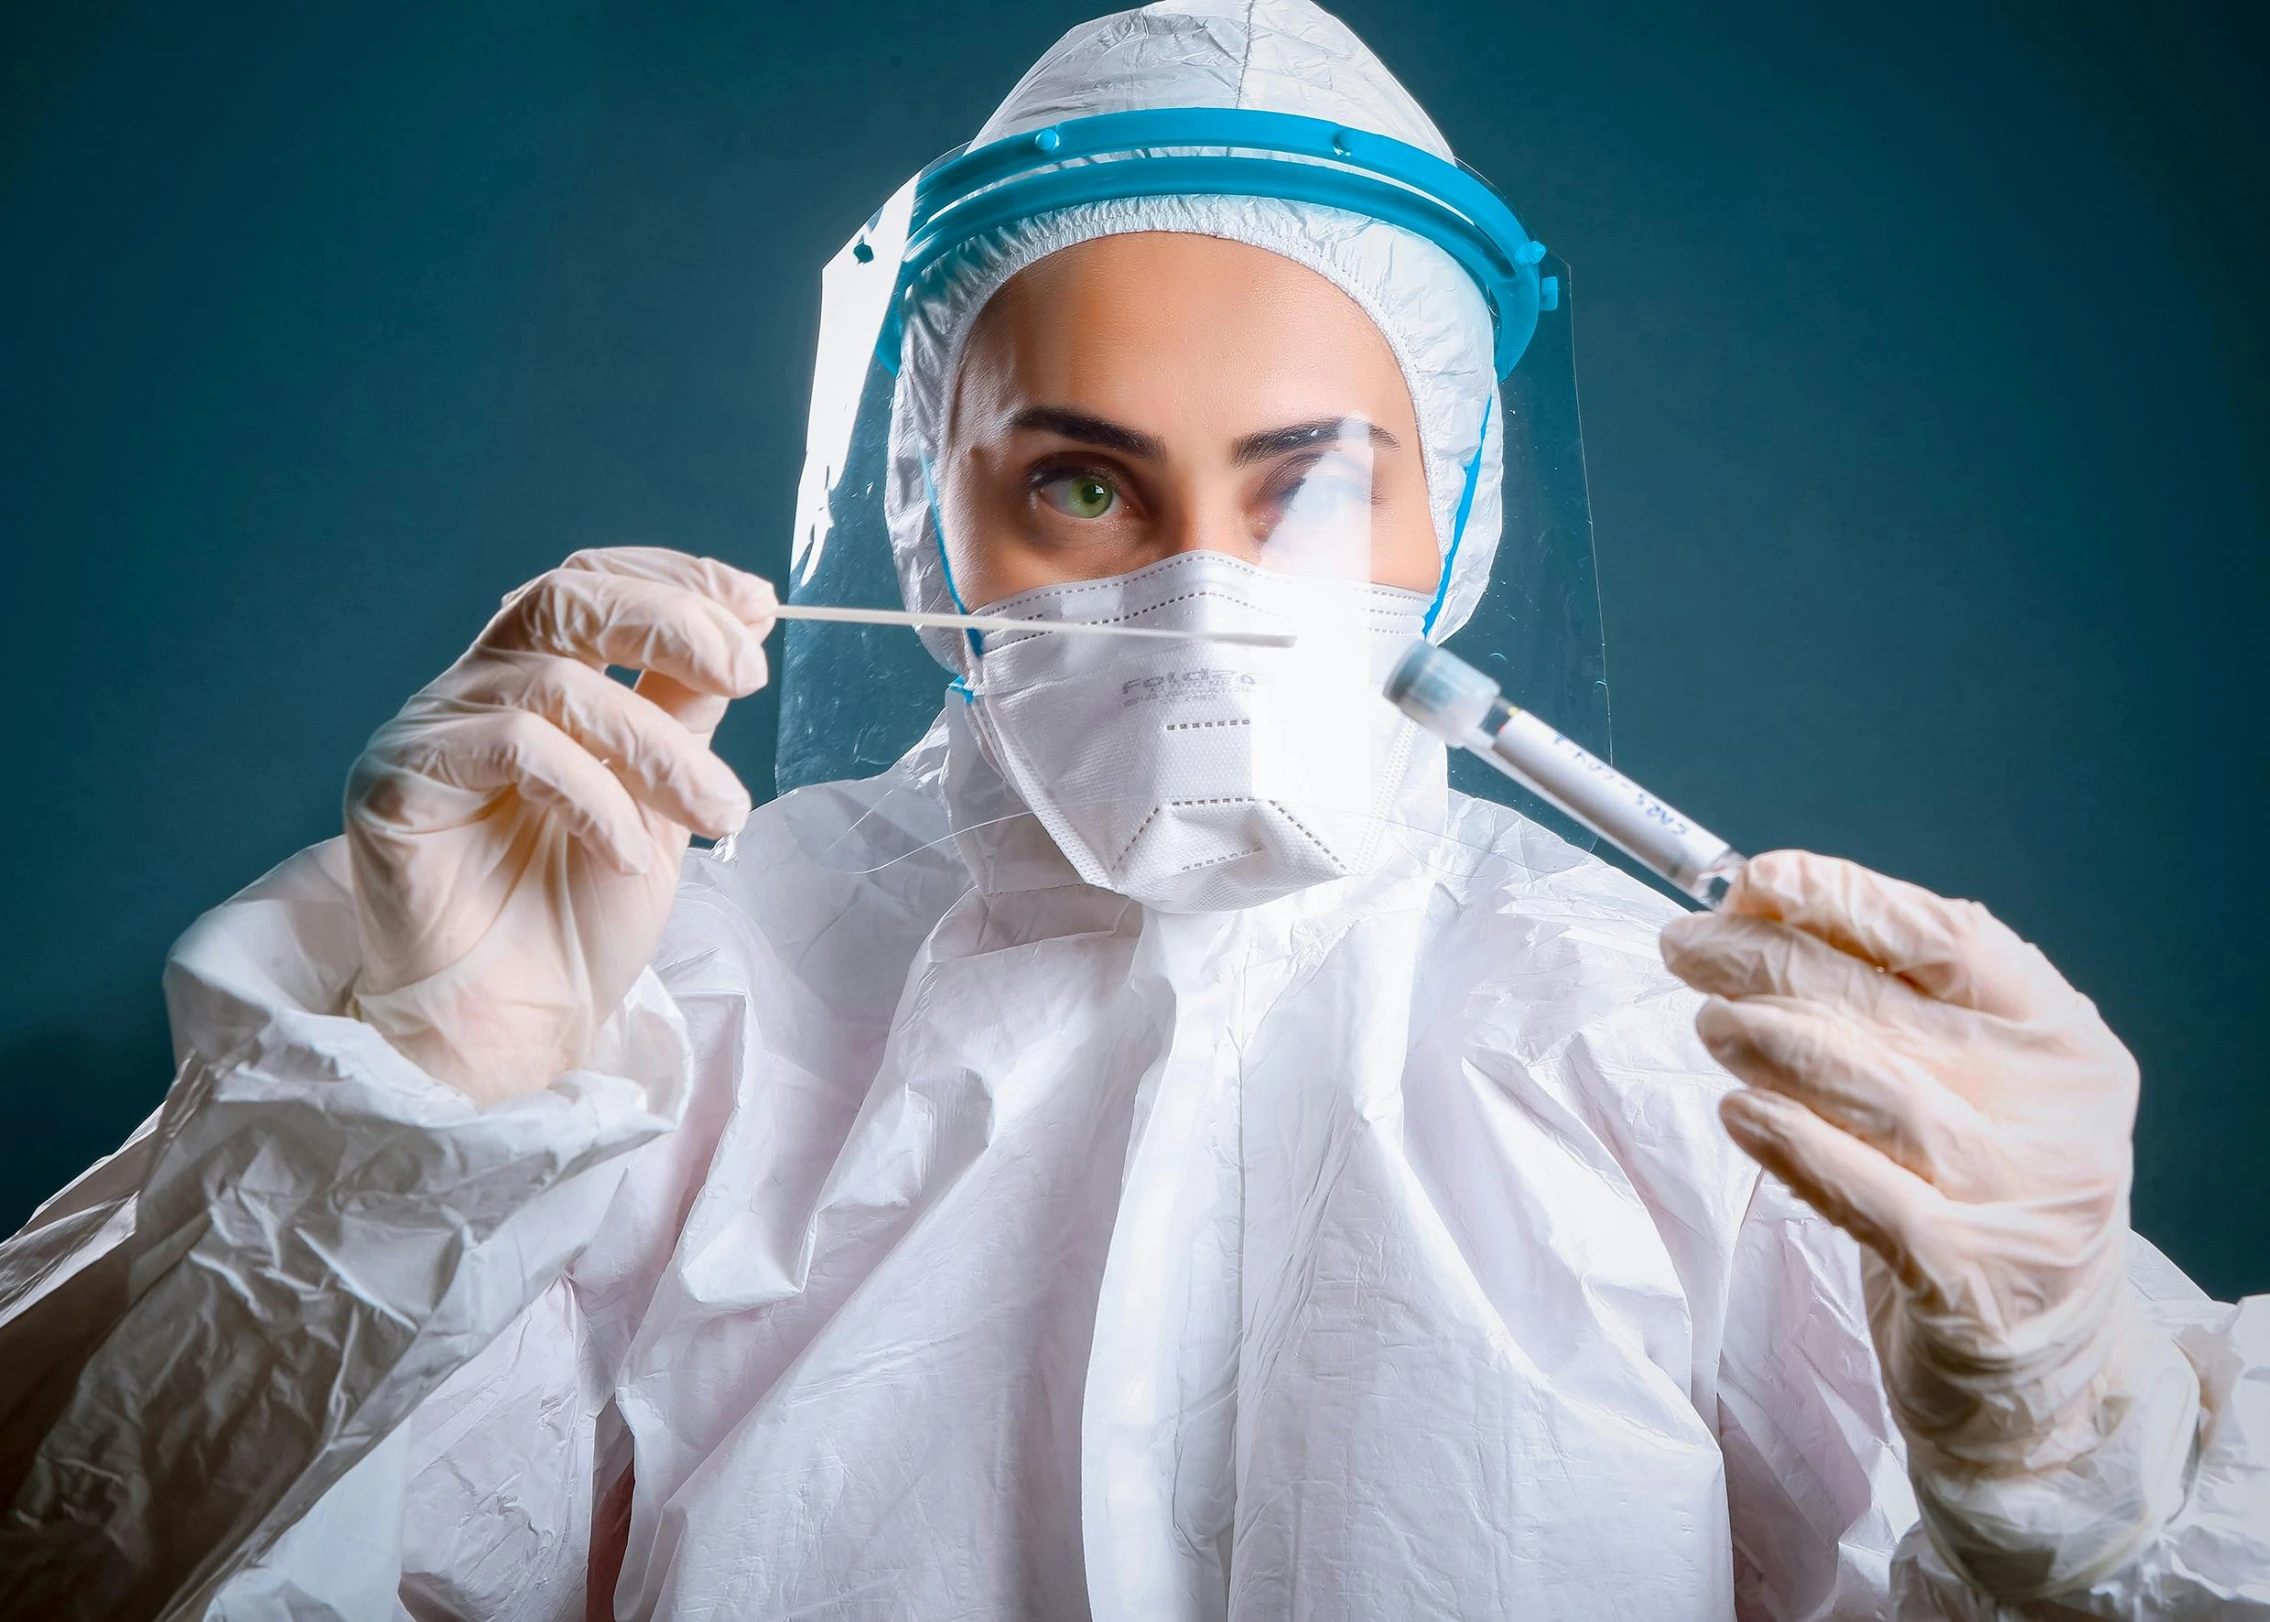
column 1342, row 142
column 1530, row 252
column 1048, row 140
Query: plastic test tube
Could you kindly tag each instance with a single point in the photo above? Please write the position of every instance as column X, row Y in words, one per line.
column 1463, row 707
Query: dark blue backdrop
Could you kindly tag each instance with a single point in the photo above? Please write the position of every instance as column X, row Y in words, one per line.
column 1923, row 353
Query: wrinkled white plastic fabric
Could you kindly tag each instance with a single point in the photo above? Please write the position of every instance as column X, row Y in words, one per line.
column 220, row 1327
column 1019, row 1252
column 1199, row 776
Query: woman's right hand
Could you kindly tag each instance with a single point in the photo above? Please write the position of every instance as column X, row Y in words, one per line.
column 515, row 832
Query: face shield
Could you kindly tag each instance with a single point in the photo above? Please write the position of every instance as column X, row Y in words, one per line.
column 1517, row 596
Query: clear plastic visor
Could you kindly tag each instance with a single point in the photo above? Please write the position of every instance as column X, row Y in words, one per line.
column 857, row 697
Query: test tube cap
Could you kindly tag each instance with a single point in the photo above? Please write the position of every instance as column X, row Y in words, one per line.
column 1440, row 691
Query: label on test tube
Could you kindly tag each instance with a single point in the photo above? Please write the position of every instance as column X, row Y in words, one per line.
column 1604, row 799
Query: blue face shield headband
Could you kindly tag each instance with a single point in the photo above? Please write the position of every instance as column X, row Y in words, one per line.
column 1243, row 153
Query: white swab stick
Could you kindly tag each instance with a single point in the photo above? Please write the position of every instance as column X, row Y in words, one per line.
column 1002, row 622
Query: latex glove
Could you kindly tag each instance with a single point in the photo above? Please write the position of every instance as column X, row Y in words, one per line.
column 1928, row 1082
column 515, row 832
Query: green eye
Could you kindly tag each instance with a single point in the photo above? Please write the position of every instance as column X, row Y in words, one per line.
column 1081, row 496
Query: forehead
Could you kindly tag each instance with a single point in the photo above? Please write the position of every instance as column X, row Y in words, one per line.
column 1167, row 329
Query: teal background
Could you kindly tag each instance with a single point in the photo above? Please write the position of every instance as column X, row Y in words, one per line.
column 1922, row 347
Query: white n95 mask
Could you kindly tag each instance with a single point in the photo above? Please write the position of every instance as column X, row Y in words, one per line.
column 1199, row 775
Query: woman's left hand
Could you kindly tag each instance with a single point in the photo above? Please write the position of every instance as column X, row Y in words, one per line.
column 1928, row 1082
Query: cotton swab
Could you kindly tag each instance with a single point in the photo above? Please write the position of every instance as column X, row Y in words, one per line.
column 1002, row 622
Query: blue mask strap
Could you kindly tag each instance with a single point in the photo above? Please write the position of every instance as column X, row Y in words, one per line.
column 946, row 566
column 1457, row 528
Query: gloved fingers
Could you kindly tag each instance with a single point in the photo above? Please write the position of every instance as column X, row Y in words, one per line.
column 1879, row 1202
column 1848, row 1076
column 1728, row 954
column 1955, row 951
column 665, row 767
column 490, row 751
column 603, row 619
column 698, row 713
column 749, row 598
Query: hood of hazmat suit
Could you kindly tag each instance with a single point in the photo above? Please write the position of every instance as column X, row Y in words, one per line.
column 947, row 1230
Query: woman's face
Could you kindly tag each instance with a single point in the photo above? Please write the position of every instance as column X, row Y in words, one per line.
column 1138, row 396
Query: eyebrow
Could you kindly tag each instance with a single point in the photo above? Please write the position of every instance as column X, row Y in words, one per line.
column 1134, row 442
column 1089, row 430
column 1300, row 435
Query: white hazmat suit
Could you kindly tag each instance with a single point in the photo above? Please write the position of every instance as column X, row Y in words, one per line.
column 932, row 1234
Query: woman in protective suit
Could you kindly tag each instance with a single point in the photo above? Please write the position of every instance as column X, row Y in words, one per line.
column 1155, row 1150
